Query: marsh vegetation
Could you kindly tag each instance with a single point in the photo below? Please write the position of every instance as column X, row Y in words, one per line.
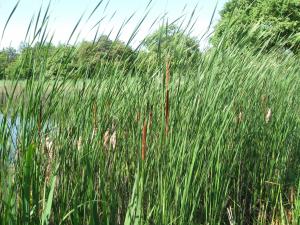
column 164, row 136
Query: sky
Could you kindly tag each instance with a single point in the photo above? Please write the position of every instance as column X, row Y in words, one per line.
column 64, row 15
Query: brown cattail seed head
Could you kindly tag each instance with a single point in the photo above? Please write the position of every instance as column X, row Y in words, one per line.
column 167, row 97
column 240, row 117
column 167, row 75
column 144, row 140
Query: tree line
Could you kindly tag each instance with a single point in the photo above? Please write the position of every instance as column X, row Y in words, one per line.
column 256, row 24
column 86, row 58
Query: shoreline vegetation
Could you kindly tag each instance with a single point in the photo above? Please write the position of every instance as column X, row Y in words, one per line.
column 166, row 135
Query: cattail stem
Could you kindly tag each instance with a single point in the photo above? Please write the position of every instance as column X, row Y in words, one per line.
column 167, row 97
column 150, row 119
column 40, row 122
column 95, row 116
column 167, row 112
column 144, row 141
column 167, row 74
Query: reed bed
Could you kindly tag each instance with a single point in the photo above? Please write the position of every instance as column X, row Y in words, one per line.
column 213, row 144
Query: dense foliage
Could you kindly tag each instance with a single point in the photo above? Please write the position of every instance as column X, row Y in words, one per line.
column 265, row 23
column 171, row 42
column 72, row 60
column 7, row 57
column 85, row 59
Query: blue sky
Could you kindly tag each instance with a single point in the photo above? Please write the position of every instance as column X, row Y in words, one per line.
column 64, row 15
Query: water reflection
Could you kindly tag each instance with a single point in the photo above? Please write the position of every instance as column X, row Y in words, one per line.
column 8, row 134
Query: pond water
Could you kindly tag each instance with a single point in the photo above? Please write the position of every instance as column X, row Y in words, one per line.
column 9, row 129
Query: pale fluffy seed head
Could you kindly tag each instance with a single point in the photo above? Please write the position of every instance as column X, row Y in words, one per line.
column 49, row 144
column 113, row 140
column 94, row 132
column 106, row 138
column 230, row 216
column 268, row 115
column 240, row 117
column 79, row 143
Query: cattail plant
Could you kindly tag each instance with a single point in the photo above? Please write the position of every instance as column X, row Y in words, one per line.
column 49, row 150
column 144, row 140
column 94, row 133
column 239, row 118
column 150, row 119
column 113, row 138
column 262, row 216
column 268, row 115
column 137, row 117
column 79, row 143
column 292, row 198
column 264, row 100
column 110, row 139
column 207, row 165
column 230, row 216
column 106, row 138
column 95, row 121
column 167, row 97
column 39, row 124
column 48, row 145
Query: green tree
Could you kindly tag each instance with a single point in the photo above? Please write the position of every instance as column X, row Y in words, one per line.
column 171, row 42
column 3, row 64
column 7, row 56
column 91, row 56
column 61, row 62
column 257, row 23
column 31, row 62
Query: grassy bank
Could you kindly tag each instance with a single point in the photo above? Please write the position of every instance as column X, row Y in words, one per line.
column 15, row 90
